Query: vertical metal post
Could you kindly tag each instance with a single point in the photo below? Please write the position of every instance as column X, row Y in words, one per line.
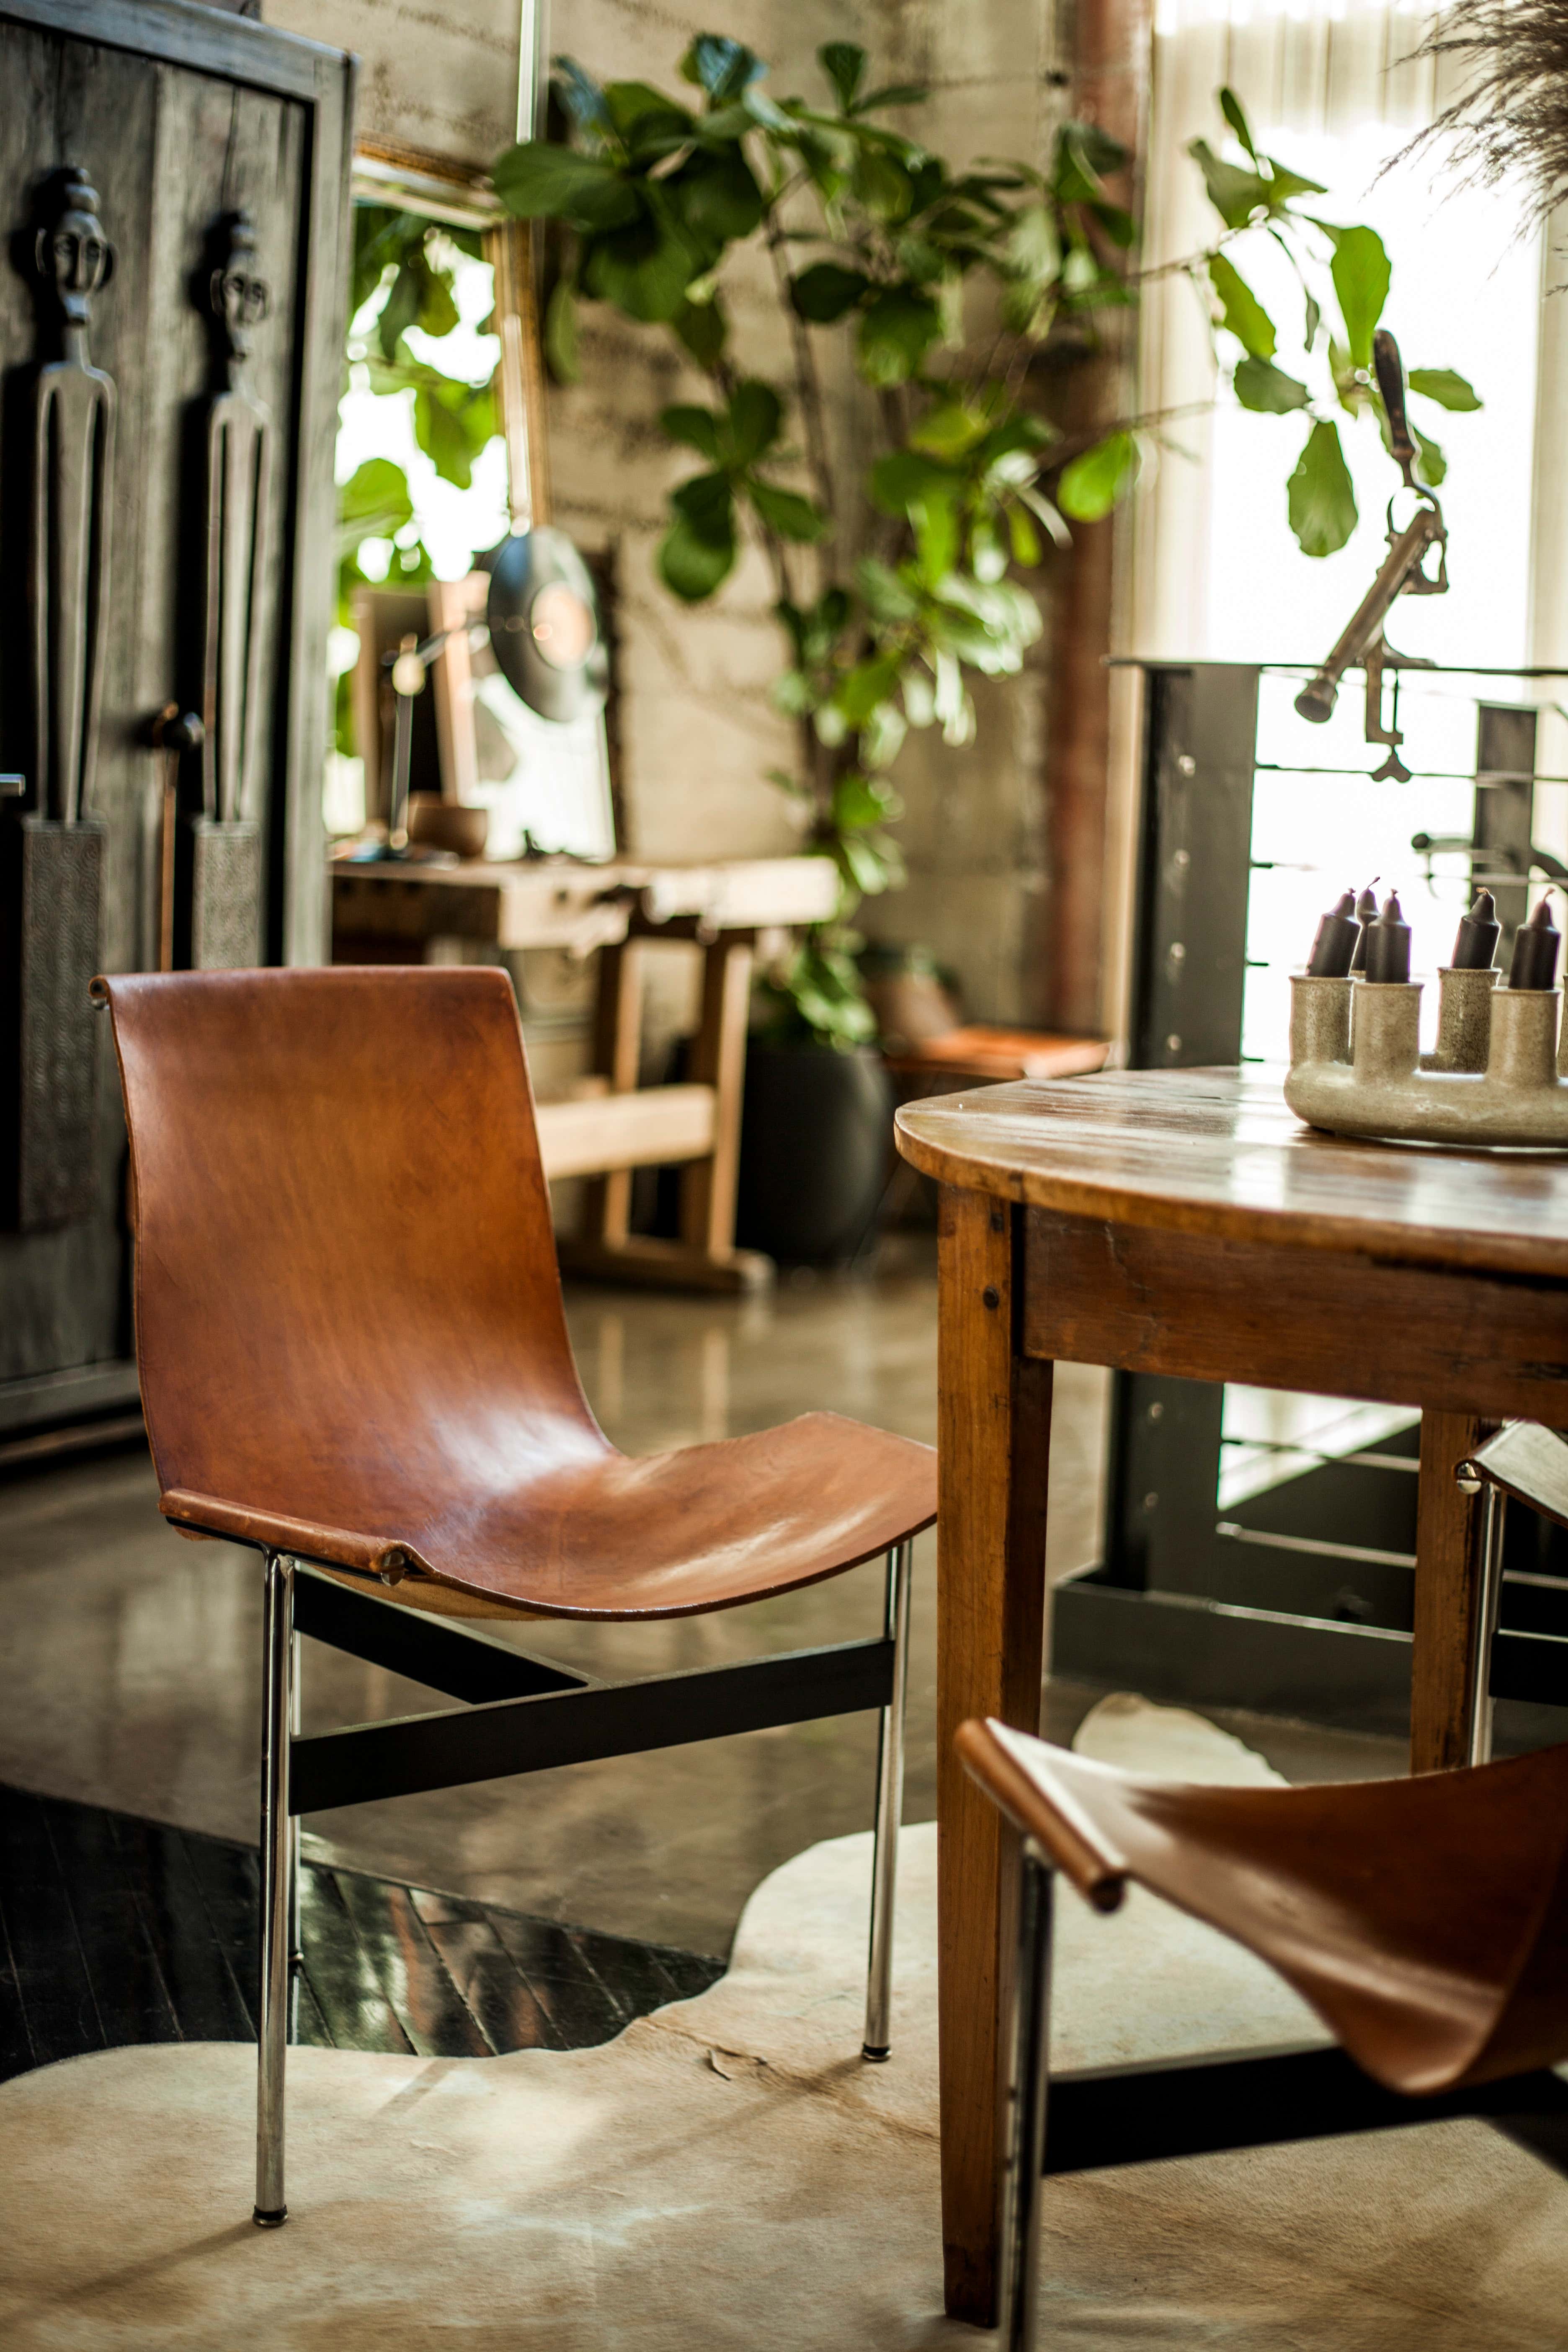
column 890, row 1808
column 272, row 2022
column 296, row 1726
column 1020, row 2234
column 1489, row 1598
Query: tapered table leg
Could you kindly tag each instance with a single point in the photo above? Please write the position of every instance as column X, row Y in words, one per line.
column 995, row 1416
column 1447, row 1571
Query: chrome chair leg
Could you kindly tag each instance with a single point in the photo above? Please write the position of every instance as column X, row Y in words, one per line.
column 1020, row 2231
column 272, row 2036
column 890, row 1807
column 296, row 1725
column 1488, row 1600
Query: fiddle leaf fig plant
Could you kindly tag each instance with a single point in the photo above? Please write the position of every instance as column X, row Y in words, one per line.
column 1343, row 277
column 900, row 580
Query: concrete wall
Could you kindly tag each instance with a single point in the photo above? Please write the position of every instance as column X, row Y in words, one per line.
column 698, row 733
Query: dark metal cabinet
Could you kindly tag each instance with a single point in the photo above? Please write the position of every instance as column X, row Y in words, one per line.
column 179, row 176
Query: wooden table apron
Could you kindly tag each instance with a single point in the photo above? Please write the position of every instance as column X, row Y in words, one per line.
column 1236, row 1245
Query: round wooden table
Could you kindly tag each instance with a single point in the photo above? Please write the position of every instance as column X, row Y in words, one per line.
column 1183, row 1221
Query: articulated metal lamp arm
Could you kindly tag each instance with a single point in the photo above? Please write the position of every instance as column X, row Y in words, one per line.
column 1399, row 571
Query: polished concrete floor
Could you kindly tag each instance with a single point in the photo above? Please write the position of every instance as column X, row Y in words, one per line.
column 129, row 1668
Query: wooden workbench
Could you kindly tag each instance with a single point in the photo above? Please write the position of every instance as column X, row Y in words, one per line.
column 613, row 910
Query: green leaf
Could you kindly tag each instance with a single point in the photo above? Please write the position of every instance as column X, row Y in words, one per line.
column 903, row 478
column 860, row 801
column 754, row 416
column 949, row 430
column 1284, row 184
column 936, row 529
column 398, row 311
column 845, row 65
column 561, row 334
column 1431, row 465
column 437, row 311
column 374, row 501
column 896, row 93
column 452, row 423
column 885, row 595
column 1234, row 195
column 1231, row 108
column 716, row 196
column 703, row 327
column 1241, row 312
column 987, row 555
column 825, row 291
column 787, row 512
column 1091, row 486
column 692, row 566
column 721, row 67
column 707, row 507
column 897, row 329
column 1267, row 389
column 1034, row 246
column 644, row 271
column 883, row 186
column 694, row 428
column 582, row 97
column 1023, row 538
column 540, row 181
column 1084, row 156
column 648, row 124
column 1321, row 502
column 1314, row 320
column 1442, row 385
column 1361, row 273
column 864, row 686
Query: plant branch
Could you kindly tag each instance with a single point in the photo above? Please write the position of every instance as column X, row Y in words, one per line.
column 808, row 385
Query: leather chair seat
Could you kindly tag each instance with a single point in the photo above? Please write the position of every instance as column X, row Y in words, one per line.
column 606, row 1535
column 1426, row 1920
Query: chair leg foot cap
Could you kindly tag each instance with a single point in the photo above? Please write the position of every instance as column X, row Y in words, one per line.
column 874, row 2057
column 270, row 2220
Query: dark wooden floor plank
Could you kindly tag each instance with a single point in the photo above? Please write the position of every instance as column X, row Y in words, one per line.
column 17, row 2054
column 51, row 1976
column 200, row 1984
column 689, row 1973
column 129, row 1990
column 115, row 1930
column 580, row 2006
column 347, row 1989
column 230, row 1888
column 411, row 1972
column 508, row 2013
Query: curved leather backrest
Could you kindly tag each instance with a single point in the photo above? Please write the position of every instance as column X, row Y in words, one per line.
column 347, row 1304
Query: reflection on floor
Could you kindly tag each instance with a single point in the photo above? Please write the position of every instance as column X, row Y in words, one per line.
column 128, row 1675
column 115, row 1931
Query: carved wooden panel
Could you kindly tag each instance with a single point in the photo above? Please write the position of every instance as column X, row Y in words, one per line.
column 216, row 149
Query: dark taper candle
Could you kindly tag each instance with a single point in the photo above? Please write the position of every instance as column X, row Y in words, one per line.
column 1474, row 948
column 1535, row 950
column 1365, row 915
column 1388, row 943
column 1335, row 943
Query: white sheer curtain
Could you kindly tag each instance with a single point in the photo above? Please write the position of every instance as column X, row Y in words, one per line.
column 1211, row 570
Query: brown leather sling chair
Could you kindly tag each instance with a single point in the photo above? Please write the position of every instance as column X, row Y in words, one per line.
column 354, row 1358
column 1426, row 1920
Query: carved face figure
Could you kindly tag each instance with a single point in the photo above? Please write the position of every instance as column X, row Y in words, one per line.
column 240, row 299
column 75, row 256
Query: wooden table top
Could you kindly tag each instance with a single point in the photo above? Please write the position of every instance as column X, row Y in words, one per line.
column 1217, row 1152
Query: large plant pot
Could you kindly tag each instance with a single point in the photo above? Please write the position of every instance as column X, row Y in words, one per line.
column 816, row 1138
